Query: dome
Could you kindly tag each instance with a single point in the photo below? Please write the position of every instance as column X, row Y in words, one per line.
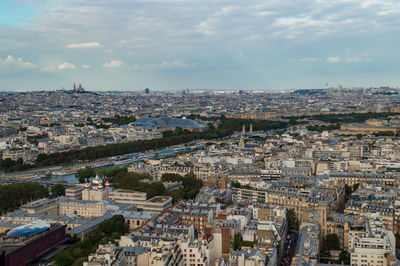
column 96, row 181
column 100, row 186
column 87, row 185
column 107, row 184
column 30, row 229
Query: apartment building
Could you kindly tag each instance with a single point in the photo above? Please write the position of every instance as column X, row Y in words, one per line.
column 373, row 246
column 322, row 199
column 362, row 177
column 308, row 247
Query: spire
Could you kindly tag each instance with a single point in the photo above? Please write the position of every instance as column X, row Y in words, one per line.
column 244, row 130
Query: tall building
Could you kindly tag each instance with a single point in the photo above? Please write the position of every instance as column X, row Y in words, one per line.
column 147, row 90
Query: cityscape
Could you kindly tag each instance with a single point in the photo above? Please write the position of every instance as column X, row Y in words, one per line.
column 199, row 133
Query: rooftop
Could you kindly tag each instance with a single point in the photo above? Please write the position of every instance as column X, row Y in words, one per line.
column 129, row 191
column 159, row 199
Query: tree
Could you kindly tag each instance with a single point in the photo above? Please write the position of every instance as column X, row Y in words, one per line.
column 211, row 126
column 80, row 249
column 247, row 244
column 114, row 225
column 20, row 161
column 178, row 131
column 355, row 187
column 120, row 120
column 115, row 235
column 170, row 177
column 191, row 185
column 153, row 189
column 331, row 242
column 63, row 258
column 385, row 134
column 397, row 236
column 12, row 196
column 344, row 257
column 57, row 190
column 80, row 261
column 225, row 128
column 293, row 221
column 348, row 190
column 85, row 174
column 41, row 157
column 177, row 194
column 235, row 184
column 236, row 245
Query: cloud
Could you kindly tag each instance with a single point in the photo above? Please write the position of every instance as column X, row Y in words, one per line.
column 84, row 45
column 208, row 26
column 265, row 13
column 307, row 59
column 353, row 59
column 369, row 3
column 173, row 64
column 86, row 66
column 114, row 63
column 332, row 59
column 66, row 65
column 387, row 12
column 209, row 32
column 384, row 8
column 164, row 65
column 10, row 60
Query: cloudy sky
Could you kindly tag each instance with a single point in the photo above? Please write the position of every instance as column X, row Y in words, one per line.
column 199, row 44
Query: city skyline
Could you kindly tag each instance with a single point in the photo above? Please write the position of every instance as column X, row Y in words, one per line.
column 195, row 44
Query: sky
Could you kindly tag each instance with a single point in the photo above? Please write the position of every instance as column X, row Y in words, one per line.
column 198, row 44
